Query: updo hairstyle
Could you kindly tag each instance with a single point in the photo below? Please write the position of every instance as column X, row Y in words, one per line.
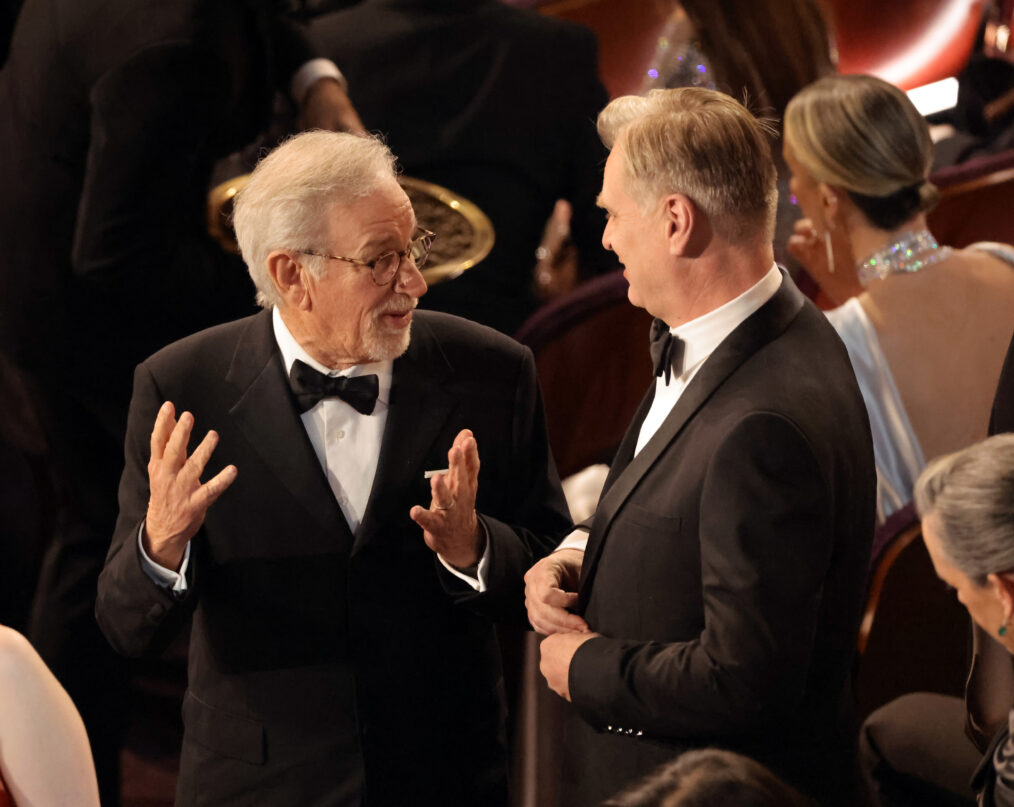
column 864, row 135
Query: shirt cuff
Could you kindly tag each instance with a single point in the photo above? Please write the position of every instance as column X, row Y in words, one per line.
column 176, row 582
column 477, row 583
column 578, row 539
column 310, row 73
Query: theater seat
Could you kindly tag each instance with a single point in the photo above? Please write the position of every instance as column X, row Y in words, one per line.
column 975, row 201
column 591, row 352
column 914, row 633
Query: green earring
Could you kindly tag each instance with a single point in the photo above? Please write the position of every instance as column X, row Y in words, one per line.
column 1002, row 631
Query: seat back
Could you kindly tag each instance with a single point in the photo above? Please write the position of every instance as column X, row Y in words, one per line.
column 591, row 351
column 914, row 632
column 975, row 201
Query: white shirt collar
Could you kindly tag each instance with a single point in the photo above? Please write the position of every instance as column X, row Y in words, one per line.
column 292, row 350
column 703, row 334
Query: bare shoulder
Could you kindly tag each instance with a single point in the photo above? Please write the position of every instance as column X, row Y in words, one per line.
column 17, row 656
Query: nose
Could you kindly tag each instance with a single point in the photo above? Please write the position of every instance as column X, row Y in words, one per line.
column 409, row 279
column 607, row 241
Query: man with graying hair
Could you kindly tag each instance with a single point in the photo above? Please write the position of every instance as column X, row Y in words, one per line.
column 339, row 654
column 713, row 599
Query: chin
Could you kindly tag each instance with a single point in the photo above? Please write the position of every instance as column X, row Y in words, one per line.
column 388, row 346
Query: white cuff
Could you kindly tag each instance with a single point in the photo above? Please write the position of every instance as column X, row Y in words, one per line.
column 176, row 582
column 310, row 73
column 478, row 583
column 578, row 539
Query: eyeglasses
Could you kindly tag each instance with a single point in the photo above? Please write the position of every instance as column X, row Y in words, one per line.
column 384, row 268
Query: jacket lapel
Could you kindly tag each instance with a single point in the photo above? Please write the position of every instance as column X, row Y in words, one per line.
column 757, row 330
column 419, row 409
column 265, row 414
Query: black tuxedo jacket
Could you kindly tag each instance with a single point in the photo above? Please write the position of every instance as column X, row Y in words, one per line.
column 498, row 104
column 725, row 567
column 318, row 654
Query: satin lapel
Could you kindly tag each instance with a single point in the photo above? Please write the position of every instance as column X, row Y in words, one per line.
column 625, row 452
column 761, row 327
column 265, row 414
column 420, row 406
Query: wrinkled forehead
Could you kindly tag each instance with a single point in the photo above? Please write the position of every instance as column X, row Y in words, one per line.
column 384, row 214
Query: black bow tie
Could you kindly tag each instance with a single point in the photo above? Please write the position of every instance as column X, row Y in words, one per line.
column 311, row 387
column 666, row 350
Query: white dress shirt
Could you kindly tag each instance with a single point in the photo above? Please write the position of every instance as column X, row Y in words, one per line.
column 700, row 338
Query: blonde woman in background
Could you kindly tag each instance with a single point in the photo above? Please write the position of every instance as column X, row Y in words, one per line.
column 45, row 760
column 926, row 326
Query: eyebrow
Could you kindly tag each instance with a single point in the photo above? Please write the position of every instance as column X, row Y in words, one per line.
column 387, row 241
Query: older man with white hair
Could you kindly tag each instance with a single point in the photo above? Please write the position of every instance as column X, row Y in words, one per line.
column 340, row 655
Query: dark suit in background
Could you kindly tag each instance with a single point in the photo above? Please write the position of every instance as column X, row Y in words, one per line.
column 726, row 563
column 113, row 112
column 315, row 651
column 497, row 104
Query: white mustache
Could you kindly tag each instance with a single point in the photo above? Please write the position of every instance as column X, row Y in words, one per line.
column 399, row 306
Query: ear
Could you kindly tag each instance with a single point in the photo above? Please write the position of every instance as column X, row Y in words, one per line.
column 290, row 279
column 680, row 217
column 1003, row 586
column 830, row 204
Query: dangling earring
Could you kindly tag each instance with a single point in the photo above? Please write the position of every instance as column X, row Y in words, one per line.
column 830, row 251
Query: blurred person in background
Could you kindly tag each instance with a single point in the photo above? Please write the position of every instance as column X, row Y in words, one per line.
column 44, row 756
column 497, row 104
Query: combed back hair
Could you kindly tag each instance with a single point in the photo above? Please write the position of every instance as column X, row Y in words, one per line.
column 972, row 494
column 704, row 145
column 864, row 135
column 292, row 191
column 710, row 777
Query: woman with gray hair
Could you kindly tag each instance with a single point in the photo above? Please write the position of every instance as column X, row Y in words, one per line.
column 966, row 503
column 860, row 157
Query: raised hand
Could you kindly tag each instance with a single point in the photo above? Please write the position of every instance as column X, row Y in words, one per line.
column 450, row 526
column 178, row 501
column 551, row 589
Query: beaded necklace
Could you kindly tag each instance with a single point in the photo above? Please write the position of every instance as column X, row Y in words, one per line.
column 912, row 251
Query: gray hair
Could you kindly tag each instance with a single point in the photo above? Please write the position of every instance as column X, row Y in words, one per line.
column 972, row 494
column 285, row 204
column 703, row 144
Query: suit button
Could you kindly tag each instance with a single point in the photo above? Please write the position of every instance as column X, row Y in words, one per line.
column 156, row 612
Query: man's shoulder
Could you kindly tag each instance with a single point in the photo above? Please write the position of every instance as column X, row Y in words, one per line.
column 462, row 335
column 216, row 341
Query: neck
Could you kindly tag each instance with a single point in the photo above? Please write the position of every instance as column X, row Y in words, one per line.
column 311, row 343
column 713, row 279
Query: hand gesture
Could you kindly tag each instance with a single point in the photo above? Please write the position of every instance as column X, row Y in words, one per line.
column 178, row 501
column 551, row 590
column 450, row 526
